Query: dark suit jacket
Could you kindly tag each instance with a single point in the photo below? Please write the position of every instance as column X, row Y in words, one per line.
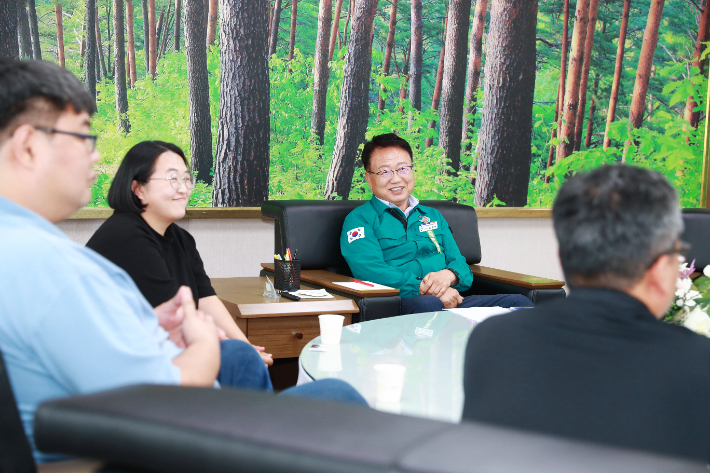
column 596, row 366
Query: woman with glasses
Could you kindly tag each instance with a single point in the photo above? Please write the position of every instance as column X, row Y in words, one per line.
column 149, row 194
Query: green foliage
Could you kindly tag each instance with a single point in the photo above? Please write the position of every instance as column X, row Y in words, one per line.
column 159, row 109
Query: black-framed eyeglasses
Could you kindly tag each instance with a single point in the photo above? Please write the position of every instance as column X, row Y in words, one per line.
column 680, row 248
column 175, row 180
column 386, row 174
column 90, row 139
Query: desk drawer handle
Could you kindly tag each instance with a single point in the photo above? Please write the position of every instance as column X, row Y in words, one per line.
column 298, row 335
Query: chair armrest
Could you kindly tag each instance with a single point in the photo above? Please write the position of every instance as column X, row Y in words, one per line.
column 327, row 279
column 515, row 279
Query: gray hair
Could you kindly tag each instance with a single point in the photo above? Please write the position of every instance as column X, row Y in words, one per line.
column 612, row 223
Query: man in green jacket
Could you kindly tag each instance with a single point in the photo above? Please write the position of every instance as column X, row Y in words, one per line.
column 394, row 241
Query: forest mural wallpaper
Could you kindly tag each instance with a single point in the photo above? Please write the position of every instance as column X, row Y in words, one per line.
column 502, row 100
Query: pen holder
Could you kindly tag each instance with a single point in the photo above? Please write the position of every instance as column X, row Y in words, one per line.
column 287, row 275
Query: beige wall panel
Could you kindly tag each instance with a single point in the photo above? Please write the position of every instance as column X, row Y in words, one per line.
column 523, row 245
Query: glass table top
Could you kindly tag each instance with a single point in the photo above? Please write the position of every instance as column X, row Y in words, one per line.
column 431, row 345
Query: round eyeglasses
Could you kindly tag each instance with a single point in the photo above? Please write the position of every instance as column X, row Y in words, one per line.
column 386, row 174
column 175, row 181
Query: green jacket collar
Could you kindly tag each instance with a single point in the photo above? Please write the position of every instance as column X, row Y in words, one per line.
column 381, row 207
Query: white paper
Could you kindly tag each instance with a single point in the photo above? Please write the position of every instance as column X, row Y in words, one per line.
column 313, row 294
column 479, row 314
column 362, row 287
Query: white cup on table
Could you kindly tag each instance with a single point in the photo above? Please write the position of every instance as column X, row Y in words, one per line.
column 331, row 327
column 389, row 382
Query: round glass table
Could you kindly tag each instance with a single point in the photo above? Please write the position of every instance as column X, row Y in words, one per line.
column 431, row 345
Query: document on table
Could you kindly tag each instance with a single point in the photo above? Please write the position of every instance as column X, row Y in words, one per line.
column 363, row 287
column 313, row 294
column 479, row 314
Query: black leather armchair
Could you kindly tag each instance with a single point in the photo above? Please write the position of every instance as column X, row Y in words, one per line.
column 15, row 451
column 314, row 228
column 697, row 233
column 176, row 429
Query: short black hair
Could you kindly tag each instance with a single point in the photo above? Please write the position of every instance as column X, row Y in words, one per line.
column 613, row 222
column 29, row 86
column 384, row 141
column 138, row 165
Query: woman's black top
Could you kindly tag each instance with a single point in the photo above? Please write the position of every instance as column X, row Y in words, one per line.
column 158, row 264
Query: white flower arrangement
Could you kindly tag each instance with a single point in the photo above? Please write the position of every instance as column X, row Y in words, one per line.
column 690, row 308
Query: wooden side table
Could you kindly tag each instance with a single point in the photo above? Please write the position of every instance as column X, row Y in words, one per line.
column 280, row 325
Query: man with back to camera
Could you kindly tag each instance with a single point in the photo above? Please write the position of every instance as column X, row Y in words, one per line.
column 600, row 365
column 71, row 322
column 394, row 241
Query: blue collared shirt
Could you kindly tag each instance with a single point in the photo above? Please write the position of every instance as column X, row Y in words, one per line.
column 412, row 202
column 71, row 322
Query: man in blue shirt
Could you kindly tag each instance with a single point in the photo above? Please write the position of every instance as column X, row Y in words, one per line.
column 71, row 322
column 394, row 241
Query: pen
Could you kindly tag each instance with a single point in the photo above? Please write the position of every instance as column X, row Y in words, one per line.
column 363, row 282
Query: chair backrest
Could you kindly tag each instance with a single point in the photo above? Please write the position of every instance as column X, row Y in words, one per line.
column 314, row 227
column 15, row 451
column 697, row 233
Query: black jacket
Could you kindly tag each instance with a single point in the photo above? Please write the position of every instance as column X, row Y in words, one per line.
column 596, row 366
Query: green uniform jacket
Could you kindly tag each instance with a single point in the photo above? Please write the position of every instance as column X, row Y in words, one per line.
column 379, row 248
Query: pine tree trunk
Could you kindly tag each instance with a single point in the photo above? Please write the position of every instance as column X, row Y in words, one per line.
column 152, row 39
column 178, row 17
column 9, row 44
column 274, row 30
column 617, row 72
column 592, row 110
column 336, row 28
column 100, row 46
column 693, row 117
column 90, row 52
column 354, row 106
column 506, row 128
column 109, row 37
column 292, row 37
column 571, row 103
column 584, row 84
column 347, row 21
column 388, row 51
column 158, row 32
column 165, row 32
column 242, row 168
column 119, row 57
column 146, row 35
column 473, row 74
column 415, row 58
column 212, row 22
column 201, row 160
column 131, row 43
column 60, row 34
column 34, row 30
column 454, row 82
column 24, row 28
column 559, row 106
column 436, row 97
column 321, row 72
column 643, row 72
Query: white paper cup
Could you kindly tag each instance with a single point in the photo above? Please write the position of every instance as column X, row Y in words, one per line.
column 330, row 360
column 389, row 380
column 331, row 327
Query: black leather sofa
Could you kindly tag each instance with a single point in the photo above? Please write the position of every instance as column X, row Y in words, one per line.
column 697, row 233
column 314, row 228
column 175, row 429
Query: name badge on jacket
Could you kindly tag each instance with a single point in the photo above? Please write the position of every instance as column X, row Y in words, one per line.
column 428, row 226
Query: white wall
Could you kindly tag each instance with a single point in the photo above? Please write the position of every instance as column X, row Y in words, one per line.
column 236, row 247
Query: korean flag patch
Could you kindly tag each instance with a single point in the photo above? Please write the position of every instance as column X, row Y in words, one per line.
column 356, row 233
